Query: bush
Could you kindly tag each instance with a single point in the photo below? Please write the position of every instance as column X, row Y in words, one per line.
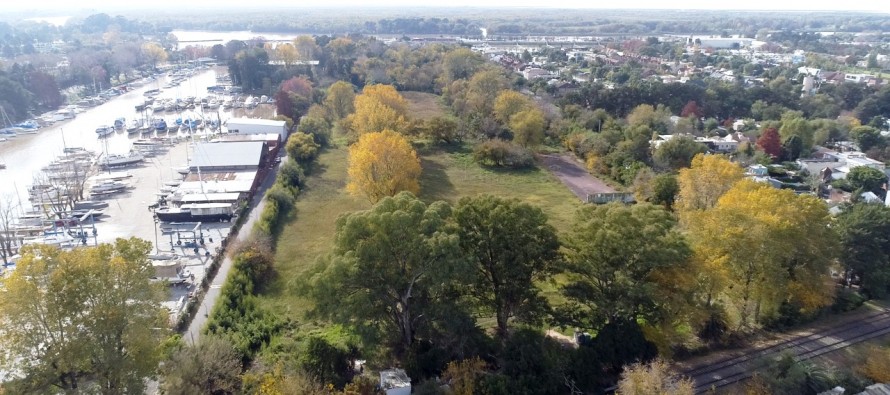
column 500, row 153
column 302, row 148
column 290, row 174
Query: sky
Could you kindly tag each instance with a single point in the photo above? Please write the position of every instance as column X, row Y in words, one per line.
column 856, row 5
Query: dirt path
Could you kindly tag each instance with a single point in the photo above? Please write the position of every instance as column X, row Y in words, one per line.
column 575, row 177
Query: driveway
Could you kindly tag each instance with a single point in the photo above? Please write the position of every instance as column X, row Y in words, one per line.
column 575, row 177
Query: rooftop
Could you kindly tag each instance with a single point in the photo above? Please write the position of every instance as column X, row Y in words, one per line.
column 255, row 121
column 227, row 154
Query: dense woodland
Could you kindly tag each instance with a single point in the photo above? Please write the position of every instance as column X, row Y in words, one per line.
column 461, row 292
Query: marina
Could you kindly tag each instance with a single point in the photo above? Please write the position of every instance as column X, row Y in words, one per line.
column 111, row 171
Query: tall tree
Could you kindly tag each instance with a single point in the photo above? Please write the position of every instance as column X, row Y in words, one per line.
column 757, row 258
column 382, row 164
column 340, row 100
column 621, row 261
column 528, row 127
column 388, row 269
column 511, row 247
column 509, row 103
column 707, row 178
column 90, row 312
column 154, row 53
column 864, row 231
column 867, row 179
column 867, row 138
column 379, row 107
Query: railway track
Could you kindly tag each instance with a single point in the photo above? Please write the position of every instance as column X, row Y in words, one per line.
column 734, row 369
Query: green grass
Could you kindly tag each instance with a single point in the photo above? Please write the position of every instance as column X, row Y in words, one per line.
column 423, row 106
column 447, row 175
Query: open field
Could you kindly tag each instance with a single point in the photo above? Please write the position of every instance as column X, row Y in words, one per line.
column 423, row 106
column 447, row 175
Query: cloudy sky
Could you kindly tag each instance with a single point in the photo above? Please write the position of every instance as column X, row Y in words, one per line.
column 856, row 5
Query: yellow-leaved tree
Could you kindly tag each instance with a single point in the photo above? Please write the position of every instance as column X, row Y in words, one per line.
column 382, row 164
column 379, row 107
column 763, row 247
column 509, row 103
column 707, row 178
column 155, row 53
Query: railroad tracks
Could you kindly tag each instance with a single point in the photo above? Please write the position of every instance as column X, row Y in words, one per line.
column 735, row 369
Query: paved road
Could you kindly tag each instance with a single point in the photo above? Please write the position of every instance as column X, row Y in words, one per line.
column 727, row 371
column 575, row 177
column 193, row 335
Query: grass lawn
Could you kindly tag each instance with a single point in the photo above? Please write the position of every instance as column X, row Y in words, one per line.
column 422, row 105
column 447, row 175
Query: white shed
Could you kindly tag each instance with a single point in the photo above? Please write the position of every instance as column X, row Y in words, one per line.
column 257, row 126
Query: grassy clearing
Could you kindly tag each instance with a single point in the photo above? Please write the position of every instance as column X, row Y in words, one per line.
column 447, row 175
column 423, row 106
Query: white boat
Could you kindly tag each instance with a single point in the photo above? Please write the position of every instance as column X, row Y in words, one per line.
column 104, row 130
column 121, row 160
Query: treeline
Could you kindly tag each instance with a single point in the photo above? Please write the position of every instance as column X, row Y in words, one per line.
column 517, row 21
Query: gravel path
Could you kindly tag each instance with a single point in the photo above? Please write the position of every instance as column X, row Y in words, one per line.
column 575, row 177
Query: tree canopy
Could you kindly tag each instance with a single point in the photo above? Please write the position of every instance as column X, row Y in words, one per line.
column 89, row 312
column 382, row 164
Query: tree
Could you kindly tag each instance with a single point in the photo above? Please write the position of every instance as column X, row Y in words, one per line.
column 770, row 143
column 460, row 63
column 653, row 378
column 302, row 148
column 91, row 312
column 388, row 267
column 707, row 178
column 382, row 164
column 867, row 179
column 8, row 210
column 792, row 148
column 306, row 48
column 340, row 100
column 691, row 109
column 287, row 54
column 867, row 137
column 795, row 125
column 212, row 366
column 755, row 256
column 864, row 233
column 154, row 53
column 528, row 127
column 510, row 246
column 378, row 108
column 624, row 263
column 677, row 153
column 317, row 127
column 509, row 103
column 442, row 128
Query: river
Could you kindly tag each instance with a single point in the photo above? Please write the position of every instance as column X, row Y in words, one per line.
column 25, row 155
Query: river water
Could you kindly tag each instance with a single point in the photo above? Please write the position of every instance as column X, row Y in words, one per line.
column 25, row 155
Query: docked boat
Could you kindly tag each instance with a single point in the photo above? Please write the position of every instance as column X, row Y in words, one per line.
column 134, row 125
column 200, row 212
column 104, row 130
column 119, row 123
column 90, row 205
column 9, row 132
column 160, row 125
column 121, row 160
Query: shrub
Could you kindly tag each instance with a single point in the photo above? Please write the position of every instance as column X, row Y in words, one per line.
column 290, row 174
column 500, row 153
column 302, row 148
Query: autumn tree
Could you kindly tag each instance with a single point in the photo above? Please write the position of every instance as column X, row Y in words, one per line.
column 93, row 317
column 379, row 107
column 154, row 53
column 286, row 54
column 691, row 109
column 340, row 100
column 653, row 378
column 509, row 103
column 212, row 366
column 388, row 269
column 442, row 129
column 707, row 178
column 770, row 143
column 511, row 247
column 306, row 48
column 757, row 259
column 382, row 164
column 660, row 189
column 528, row 127
column 460, row 63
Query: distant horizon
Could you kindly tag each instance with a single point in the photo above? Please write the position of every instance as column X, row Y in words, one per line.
column 58, row 7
